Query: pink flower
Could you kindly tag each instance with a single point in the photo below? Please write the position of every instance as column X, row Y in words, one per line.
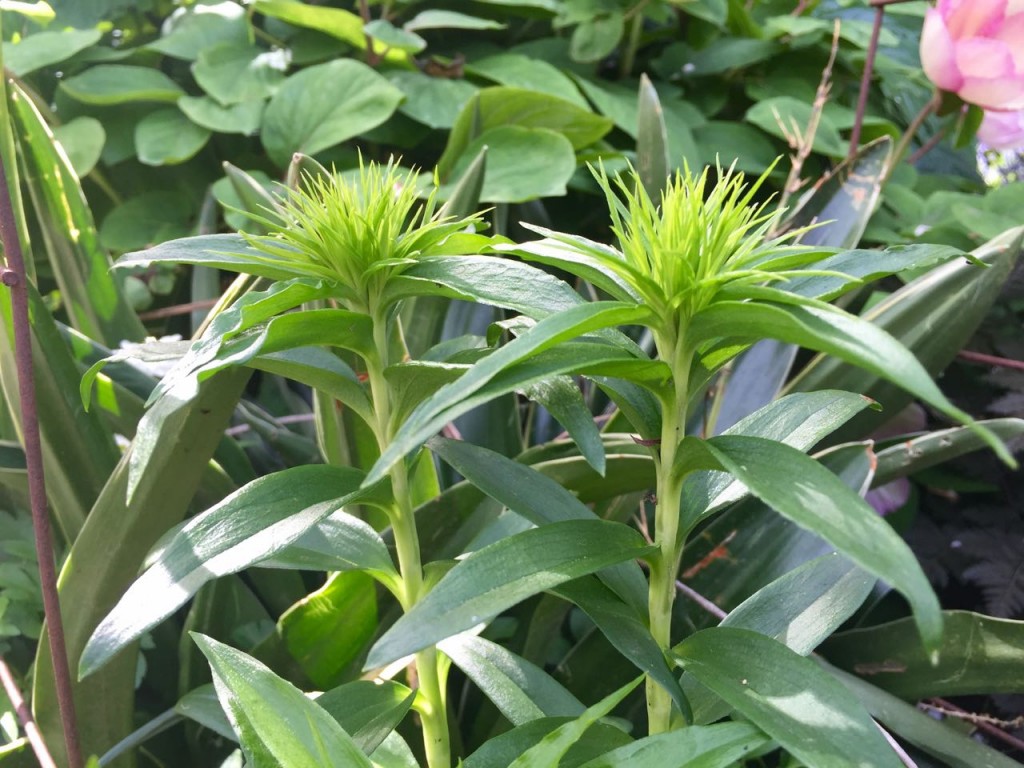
column 975, row 48
column 1003, row 130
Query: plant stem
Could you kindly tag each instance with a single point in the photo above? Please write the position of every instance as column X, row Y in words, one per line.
column 635, row 16
column 666, row 521
column 15, row 278
column 431, row 702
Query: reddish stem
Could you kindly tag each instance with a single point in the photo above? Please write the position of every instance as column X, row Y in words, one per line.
column 865, row 81
column 981, row 357
column 35, row 738
column 14, row 277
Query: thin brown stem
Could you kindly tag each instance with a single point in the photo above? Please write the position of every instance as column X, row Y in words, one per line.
column 35, row 738
column 177, row 309
column 15, row 279
column 901, row 753
column 927, row 147
column 700, row 600
column 908, row 136
column 981, row 357
column 865, row 81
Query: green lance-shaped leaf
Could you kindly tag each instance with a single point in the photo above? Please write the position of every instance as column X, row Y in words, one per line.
column 520, row 689
column 821, row 327
column 109, row 551
column 500, row 751
column 228, row 252
column 798, row 421
column 549, row 751
column 93, row 297
column 707, row 746
column 979, row 655
column 803, row 491
column 652, row 160
column 626, row 628
column 277, row 726
column 909, row 456
column 950, row 746
column 503, row 574
column 252, row 524
column 786, row 695
column 449, row 401
column 538, row 499
column 561, row 396
column 954, row 297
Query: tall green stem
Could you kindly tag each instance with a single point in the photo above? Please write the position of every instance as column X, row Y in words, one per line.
column 662, row 591
column 431, row 705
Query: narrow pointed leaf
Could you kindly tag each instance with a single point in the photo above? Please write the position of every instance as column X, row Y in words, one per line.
column 228, row 252
column 500, row 751
column 520, row 689
column 561, row 396
column 503, row 574
column 444, row 405
column 708, row 746
column 548, row 753
column 277, row 726
column 252, row 524
column 802, row 490
column 538, row 499
column 786, row 695
column 626, row 629
column 827, row 329
column 652, row 159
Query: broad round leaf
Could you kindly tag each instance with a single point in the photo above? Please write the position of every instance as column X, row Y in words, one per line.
column 44, row 49
column 82, row 140
column 167, row 137
column 120, row 83
column 325, row 105
column 233, row 73
column 243, row 117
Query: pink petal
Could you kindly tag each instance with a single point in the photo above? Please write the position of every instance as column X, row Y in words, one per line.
column 974, row 18
column 1011, row 34
column 938, row 53
column 982, row 58
column 1002, row 130
column 1002, row 95
column 1014, row 6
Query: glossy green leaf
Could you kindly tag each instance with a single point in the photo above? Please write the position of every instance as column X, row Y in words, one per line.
column 923, row 731
column 979, row 655
column 868, row 265
column 652, row 160
column 107, row 84
column 252, row 524
column 804, row 607
column 369, row 710
column 107, row 555
column 549, row 751
column 803, row 491
column 450, row 401
column 596, row 37
column 326, row 631
column 323, row 371
column 789, row 697
column 44, row 49
column 536, row 498
column 503, row 574
column 520, row 690
column 843, row 201
column 954, row 297
column 390, row 36
column 824, row 328
column 917, row 453
column 94, row 299
column 799, row 422
column 502, row 106
column 324, row 105
column 229, row 252
column 562, row 398
column 232, row 73
column 154, row 215
column 168, row 137
column 708, row 746
column 441, row 19
column 202, row 706
column 277, row 726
